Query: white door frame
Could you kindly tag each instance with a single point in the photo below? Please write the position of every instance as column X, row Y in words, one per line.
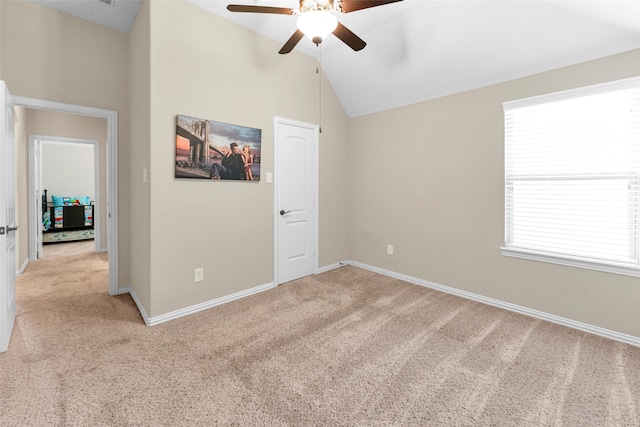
column 112, row 169
column 276, row 223
column 35, row 195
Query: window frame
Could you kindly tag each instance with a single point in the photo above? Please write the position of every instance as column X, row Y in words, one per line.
column 552, row 257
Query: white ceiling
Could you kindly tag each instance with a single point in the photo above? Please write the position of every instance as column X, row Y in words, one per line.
column 424, row 49
column 118, row 14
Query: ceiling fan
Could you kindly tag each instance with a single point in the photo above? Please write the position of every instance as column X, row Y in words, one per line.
column 316, row 19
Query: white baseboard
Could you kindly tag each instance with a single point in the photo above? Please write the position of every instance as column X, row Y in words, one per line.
column 24, row 265
column 152, row 321
column 596, row 330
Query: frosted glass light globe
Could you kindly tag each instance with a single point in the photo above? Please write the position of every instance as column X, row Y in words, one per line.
column 317, row 24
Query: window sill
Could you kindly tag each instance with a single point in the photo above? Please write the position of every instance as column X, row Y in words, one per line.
column 609, row 267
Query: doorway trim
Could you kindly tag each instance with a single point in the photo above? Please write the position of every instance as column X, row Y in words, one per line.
column 112, row 169
column 276, row 224
column 35, row 170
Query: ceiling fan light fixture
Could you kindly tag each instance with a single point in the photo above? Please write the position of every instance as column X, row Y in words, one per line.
column 317, row 24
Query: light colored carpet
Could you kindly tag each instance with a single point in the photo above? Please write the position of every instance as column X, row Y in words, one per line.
column 62, row 249
column 346, row 347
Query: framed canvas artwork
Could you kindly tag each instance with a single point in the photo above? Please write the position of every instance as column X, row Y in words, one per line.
column 206, row 149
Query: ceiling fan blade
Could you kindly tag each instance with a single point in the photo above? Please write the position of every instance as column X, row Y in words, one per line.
column 353, row 5
column 260, row 9
column 292, row 42
column 348, row 37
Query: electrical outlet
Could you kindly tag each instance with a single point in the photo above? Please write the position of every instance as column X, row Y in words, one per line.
column 390, row 249
column 198, row 275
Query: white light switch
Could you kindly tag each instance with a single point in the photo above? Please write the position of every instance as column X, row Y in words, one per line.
column 269, row 177
column 144, row 175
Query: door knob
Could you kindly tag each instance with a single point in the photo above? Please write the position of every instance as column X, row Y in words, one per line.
column 8, row 229
column 283, row 212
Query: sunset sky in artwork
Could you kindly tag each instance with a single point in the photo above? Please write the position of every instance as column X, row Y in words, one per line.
column 221, row 135
column 182, row 146
column 182, row 143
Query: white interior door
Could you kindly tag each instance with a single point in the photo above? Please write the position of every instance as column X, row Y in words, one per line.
column 7, row 222
column 296, row 196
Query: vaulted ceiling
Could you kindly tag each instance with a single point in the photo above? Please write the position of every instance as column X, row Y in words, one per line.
column 424, row 49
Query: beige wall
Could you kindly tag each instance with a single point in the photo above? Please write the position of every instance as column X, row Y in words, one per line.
column 429, row 179
column 335, row 173
column 68, row 170
column 140, row 107
column 205, row 66
column 53, row 56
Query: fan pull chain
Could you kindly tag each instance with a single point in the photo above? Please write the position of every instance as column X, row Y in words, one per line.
column 318, row 69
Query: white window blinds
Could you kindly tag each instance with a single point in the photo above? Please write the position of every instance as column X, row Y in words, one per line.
column 572, row 174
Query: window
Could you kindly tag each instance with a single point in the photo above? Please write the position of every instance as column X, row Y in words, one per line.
column 572, row 177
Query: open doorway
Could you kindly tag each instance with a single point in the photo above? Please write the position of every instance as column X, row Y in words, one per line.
column 65, row 197
column 106, row 164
